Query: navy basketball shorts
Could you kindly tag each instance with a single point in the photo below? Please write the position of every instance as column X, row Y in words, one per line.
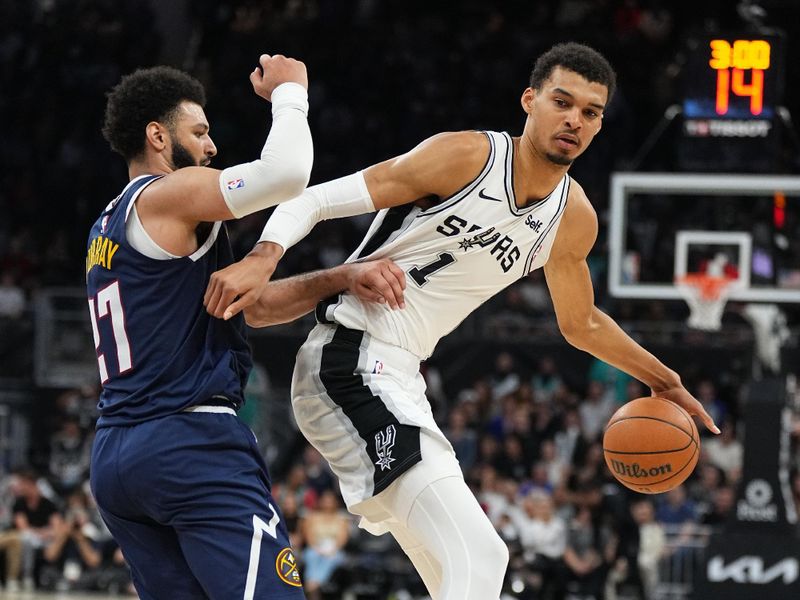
column 187, row 497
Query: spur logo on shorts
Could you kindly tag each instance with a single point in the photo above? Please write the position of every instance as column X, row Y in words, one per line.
column 286, row 566
column 384, row 442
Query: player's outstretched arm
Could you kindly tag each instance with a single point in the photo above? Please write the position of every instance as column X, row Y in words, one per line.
column 188, row 196
column 588, row 328
column 287, row 299
column 438, row 167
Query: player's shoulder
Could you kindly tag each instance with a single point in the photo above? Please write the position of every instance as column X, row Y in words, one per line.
column 579, row 224
column 578, row 203
column 460, row 146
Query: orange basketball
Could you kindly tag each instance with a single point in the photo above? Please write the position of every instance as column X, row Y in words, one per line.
column 651, row 445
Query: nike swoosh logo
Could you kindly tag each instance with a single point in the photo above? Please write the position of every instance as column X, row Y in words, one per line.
column 485, row 197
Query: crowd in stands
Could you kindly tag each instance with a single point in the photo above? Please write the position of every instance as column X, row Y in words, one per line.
column 530, row 448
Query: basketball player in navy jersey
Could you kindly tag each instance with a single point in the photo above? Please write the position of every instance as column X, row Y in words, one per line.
column 178, row 478
column 464, row 215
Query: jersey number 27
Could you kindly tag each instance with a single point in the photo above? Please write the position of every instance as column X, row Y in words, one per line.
column 108, row 303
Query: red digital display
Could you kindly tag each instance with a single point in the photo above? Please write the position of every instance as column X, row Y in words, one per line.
column 740, row 67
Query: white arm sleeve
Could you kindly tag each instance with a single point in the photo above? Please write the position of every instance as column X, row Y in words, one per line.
column 283, row 170
column 292, row 221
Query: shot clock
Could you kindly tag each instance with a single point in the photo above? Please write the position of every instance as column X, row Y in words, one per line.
column 733, row 84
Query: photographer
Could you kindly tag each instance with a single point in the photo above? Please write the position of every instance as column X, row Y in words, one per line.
column 72, row 555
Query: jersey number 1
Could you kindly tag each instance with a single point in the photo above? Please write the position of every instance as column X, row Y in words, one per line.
column 420, row 274
column 109, row 303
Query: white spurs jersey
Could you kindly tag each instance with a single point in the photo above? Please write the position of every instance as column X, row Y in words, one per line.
column 456, row 255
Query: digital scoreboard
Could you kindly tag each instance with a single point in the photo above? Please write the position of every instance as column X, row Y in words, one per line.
column 733, row 86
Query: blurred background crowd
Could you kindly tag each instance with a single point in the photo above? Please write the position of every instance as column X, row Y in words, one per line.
column 524, row 412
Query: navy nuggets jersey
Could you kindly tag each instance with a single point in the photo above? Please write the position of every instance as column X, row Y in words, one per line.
column 457, row 254
column 158, row 350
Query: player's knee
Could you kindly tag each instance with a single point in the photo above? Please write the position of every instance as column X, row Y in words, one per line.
column 493, row 559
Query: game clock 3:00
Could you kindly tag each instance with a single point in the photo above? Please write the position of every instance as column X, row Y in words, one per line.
column 734, row 77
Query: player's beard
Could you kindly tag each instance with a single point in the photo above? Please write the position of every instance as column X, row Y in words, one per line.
column 559, row 159
column 181, row 157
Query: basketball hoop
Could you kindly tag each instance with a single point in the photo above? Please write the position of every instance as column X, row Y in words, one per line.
column 706, row 296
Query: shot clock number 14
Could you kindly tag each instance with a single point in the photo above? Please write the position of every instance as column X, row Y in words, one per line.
column 740, row 68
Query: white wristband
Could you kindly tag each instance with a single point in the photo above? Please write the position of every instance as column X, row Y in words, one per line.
column 292, row 221
column 284, row 168
column 289, row 95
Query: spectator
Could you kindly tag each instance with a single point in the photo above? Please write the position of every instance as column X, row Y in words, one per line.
column 318, row 473
column 36, row 519
column 652, row 545
column 512, row 462
column 70, row 451
column 326, row 531
column 570, row 440
column 703, row 487
column 554, row 465
column 723, row 501
column 547, row 380
column 583, row 556
column 707, row 395
column 596, row 410
column 463, row 439
column 543, row 536
column 492, row 494
column 295, row 486
column 504, row 380
column 725, row 451
column 291, row 517
column 614, row 382
column 72, row 554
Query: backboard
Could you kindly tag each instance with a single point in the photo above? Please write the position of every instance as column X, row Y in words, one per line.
column 665, row 225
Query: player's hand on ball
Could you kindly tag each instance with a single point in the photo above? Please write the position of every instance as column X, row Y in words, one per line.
column 275, row 70
column 239, row 285
column 680, row 396
column 379, row 281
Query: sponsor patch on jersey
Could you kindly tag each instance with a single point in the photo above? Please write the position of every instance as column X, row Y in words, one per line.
column 234, row 184
column 286, row 566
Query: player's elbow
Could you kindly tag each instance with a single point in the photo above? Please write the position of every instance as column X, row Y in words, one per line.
column 291, row 184
column 576, row 332
column 291, row 173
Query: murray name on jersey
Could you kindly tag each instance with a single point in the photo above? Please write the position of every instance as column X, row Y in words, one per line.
column 101, row 252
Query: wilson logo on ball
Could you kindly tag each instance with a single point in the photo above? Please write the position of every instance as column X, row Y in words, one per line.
column 637, row 472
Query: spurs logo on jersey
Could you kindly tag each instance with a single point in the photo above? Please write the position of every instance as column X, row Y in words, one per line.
column 457, row 254
column 384, row 442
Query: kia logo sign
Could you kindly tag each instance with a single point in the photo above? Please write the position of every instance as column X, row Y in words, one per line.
column 750, row 569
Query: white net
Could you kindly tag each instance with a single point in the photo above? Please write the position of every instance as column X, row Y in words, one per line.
column 706, row 297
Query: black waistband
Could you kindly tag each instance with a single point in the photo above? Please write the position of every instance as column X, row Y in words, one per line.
column 219, row 400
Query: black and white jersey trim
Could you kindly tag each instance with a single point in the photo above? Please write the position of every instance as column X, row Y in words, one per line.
column 366, row 411
column 562, row 205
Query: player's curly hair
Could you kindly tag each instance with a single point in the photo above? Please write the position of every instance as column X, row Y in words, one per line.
column 146, row 95
column 583, row 60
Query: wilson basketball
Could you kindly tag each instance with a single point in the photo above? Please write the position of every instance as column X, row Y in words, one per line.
column 651, row 445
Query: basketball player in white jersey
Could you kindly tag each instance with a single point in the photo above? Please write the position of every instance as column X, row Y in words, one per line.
column 463, row 215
